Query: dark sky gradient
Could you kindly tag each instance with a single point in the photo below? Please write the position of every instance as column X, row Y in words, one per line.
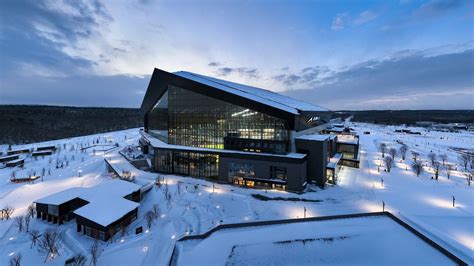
column 339, row 54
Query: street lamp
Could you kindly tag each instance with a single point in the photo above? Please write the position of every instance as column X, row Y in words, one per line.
column 79, row 173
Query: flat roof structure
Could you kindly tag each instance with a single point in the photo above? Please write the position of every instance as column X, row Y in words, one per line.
column 315, row 137
column 61, row 197
column 361, row 239
column 106, row 210
column 348, row 139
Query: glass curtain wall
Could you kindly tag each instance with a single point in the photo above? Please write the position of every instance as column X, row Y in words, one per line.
column 187, row 118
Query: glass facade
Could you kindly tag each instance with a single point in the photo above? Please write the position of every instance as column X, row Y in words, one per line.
column 187, row 118
column 187, row 163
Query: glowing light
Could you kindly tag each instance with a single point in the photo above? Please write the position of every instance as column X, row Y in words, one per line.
column 163, row 216
column 145, row 249
column 11, row 254
column 217, row 206
column 122, row 240
column 173, row 236
column 187, row 233
column 372, row 207
column 466, row 240
column 199, row 193
column 442, row 203
column 11, row 238
column 246, row 218
column 147, row 231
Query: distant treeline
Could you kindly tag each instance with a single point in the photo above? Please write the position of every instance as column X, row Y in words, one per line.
column 33, row 123
column 409, row 117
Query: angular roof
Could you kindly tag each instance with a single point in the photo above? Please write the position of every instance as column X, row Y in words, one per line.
column 266, row 97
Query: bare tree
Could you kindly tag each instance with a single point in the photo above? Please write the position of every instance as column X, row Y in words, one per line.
column 50, row 242
column 443, row 157
column 388, row 160
column 149, row 217
column 94, row 251
column 464, row 160
column 156, row 210
column 383, row 149
column 417, row 167
column 436, row 166
column 415, row 155
column 432, row 156
column 79, row 260
column 403, row 151
column 34, row 236
column 449, row 170
column 7, row 212
column 31, row 210
column 19, row 223
column 27, row 219
column 393, row 152
column 15, row 260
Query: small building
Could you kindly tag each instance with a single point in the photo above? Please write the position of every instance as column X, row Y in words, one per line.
column 100, row 211
column 59, row 207
column 42, row 153
column 9, row 158
column 103, row 218
column 22, row 151
column 14, row 163
column 46, row 148
column 348, row 146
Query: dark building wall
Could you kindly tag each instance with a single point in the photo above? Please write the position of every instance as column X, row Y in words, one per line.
column 296, row 170
column 109, row 230
column 316, row 154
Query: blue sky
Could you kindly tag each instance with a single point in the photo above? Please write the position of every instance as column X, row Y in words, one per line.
column 403, row 54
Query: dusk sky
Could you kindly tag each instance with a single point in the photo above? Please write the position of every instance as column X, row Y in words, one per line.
column 402, row 54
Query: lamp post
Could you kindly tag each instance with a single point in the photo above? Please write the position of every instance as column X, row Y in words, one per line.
column 79, row 173
column 383, row 206
column 304, row 212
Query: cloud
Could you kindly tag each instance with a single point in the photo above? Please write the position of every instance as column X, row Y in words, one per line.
column 436, row 8
column 407, row 80
column 365, row 17
column 305, row 76
column 242, row 71
column 214, row 64
column 338, row 22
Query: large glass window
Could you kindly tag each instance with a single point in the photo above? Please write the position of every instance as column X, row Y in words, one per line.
column 241, row 170
column 278, row 172
column 158, row 119
column 187, row 163
column 187, row 118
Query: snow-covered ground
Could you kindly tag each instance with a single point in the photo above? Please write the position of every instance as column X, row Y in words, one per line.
column 195, row 206
column 364, row 241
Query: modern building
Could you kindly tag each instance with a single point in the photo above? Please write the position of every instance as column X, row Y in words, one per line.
column 232, row 133
column 100, row 211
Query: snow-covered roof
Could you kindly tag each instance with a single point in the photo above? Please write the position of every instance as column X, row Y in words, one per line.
column 266, row 97
column 160, row 144
column 348, row 139
column 114, row 188
column 107, row 209
column 61, row 197
column 333, row 161
column 315, row 137
column 106, row 200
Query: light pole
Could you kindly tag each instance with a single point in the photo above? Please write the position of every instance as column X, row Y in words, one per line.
column 304, row 212
column 383, row 206
column 79, row 173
